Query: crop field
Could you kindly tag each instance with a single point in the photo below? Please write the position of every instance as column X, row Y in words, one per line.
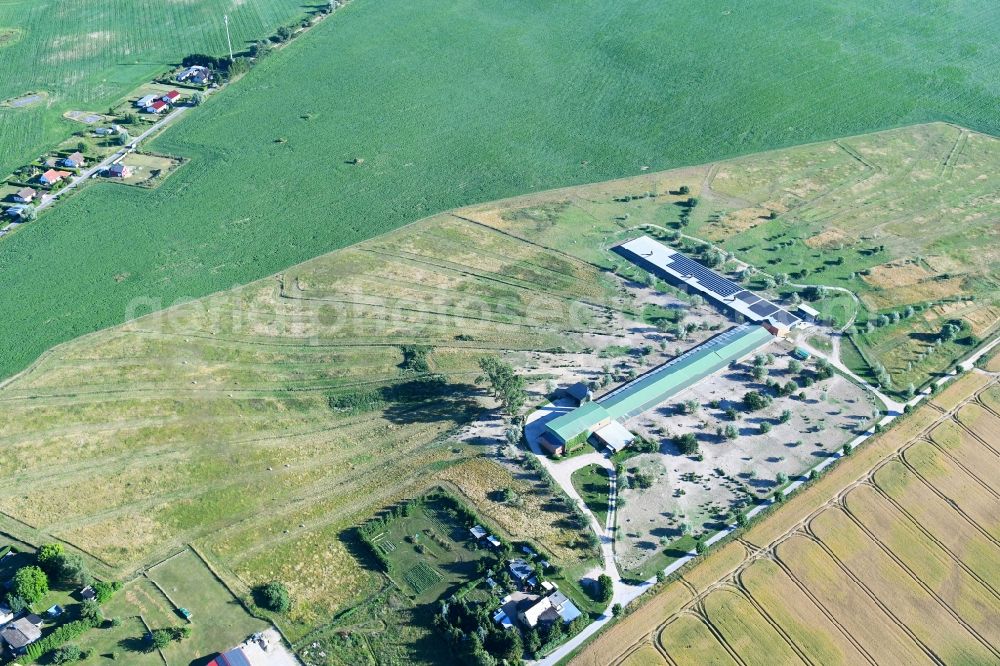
column 442, row 124
column 900, row 566
column 86, row 55
column 263, row 423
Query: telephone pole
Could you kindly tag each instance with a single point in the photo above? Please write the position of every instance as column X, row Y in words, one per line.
column 225, row 18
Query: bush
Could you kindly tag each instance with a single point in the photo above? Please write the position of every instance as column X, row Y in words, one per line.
column 273, row 596
column 105, row 590
column 67, row 654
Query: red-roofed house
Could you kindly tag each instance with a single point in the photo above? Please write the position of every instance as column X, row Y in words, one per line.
column 52, row 177
column 171, row 97
column 156, row 106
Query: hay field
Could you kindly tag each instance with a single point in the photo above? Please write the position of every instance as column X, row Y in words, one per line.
column 262, row 423
column 457, row 102
column 87, row 55
column 898, row 567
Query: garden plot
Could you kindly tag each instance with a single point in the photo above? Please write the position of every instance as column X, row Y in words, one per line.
column 686, row 494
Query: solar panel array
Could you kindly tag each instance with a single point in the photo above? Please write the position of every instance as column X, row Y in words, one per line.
column 706, row 277
column 748, row 297
column 764, row 308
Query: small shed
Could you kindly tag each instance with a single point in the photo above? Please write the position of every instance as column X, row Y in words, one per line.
column 808, row 313
column 478, row 532
column 800, row 354
column 55, row 611
column 614, row 436
column 493, row 541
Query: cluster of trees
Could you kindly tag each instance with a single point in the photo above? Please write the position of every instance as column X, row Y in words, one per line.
column 161, row 638
column 474, row 637
column 686, row 207
column 508, row 387
column 686, row 443
column 755, row 400
column 415, row 358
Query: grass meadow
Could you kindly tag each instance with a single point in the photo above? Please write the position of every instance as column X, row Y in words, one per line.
column 85, row 56
column 264, row 423
column 551, row 94
column 899, row 569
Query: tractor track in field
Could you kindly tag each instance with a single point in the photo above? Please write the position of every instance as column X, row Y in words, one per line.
column 874, row 598
column 940, row 448
column 924, row 586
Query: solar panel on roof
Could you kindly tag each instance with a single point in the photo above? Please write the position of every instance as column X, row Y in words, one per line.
column 748, row 296
column 764, row 308
column 785, row 317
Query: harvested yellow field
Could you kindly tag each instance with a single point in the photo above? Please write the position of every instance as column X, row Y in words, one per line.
column 746, row 631
column 645, row 656
column 900, row 567
column 689, row 641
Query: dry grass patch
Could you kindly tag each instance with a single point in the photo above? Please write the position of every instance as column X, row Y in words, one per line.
column 896, row 274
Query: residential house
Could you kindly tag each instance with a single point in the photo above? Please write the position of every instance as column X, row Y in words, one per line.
column 520, row 570
column 195, row 74
column 143, row 102
column 52, row 176
column 16, row 211
column 156, row 107
column 120, row 171
column 21, row 633
column 74, row 161
column 171, row 97
column 550, row 609
column 25, row 195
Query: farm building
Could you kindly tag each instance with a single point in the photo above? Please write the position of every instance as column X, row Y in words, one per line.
column 808, row 313
column 171, row 97
column 74, row 161
column 579, row 392
column 143, row 102
column 156, row 106
column 25, row 195
column 614, row 436
column 52, row 177
column 656, row 386
column 681, row 271
column 119, row 171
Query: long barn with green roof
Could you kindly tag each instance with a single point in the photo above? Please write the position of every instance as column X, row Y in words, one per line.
column 658, row 385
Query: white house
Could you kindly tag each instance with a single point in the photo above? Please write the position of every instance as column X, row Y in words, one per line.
column 143, row 102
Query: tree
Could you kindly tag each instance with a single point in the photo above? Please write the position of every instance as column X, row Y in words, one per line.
column 122, row 139
column 754, row 400
column 197, row 98
column 785, row 417
column 30, row 584
column 73, row 570
column 159, row 639
column 617, row 610
column 49, row 557
column 683, row 190
column 605, row 588
column 765, row 427
column 758, row 372
column 741, row 519
column 660, row 577
column 67, row 654
column 794, row 366
column 699, row 546
column 90, row 611
column 731, row 432
column 273, row 596
column 687, row 443
column 731, row 413
column 781, row 479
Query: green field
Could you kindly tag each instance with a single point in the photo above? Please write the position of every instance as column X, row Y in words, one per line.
column 549, row 95
column 84, row 56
